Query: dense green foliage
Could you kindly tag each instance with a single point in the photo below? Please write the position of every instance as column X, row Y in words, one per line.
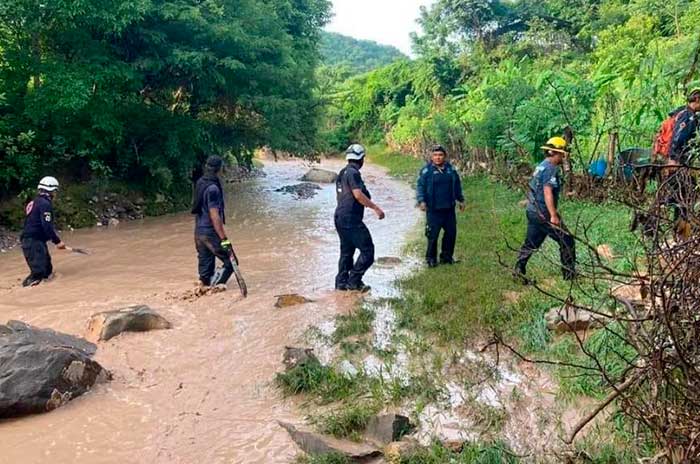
column 144, row 90
column 357, row 55
column 505, row 76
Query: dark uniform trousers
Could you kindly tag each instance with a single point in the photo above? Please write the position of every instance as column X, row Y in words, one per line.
column 353, row 238
column 208, row 249
column 436, row 220
column 36, row 253
column 537, row 230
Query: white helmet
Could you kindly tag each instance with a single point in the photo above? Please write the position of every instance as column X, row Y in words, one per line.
column 355, row 152
column 48, row 183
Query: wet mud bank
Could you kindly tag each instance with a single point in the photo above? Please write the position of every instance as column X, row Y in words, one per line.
column 204, row 390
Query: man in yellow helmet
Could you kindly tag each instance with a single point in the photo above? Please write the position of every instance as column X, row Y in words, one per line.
column 543, row 219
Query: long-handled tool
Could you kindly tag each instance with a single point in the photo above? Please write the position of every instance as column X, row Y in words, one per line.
column 237, row 272
column 80, row 251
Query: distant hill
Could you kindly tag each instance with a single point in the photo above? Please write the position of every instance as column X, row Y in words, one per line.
column 359, row 55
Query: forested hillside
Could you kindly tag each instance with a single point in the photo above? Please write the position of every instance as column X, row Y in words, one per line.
column 143, row 90
column 504, row 76
column 358, row 55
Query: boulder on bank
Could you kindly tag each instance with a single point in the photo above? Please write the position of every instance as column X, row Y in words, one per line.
column 568, row 319
column 40, row 369
column 109, row 324
column 387, row 428
column 315, row 444
column 320, row 176
column 294, row 357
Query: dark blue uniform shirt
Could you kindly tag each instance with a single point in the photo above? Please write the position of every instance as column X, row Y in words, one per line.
column 439, row 188
column 546, row 173
column 211, row 198
column 684, row 131
column 349, row 212
column 39, row 222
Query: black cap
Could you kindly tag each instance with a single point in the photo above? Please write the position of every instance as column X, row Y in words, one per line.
column 439, row 148
column 215, row 162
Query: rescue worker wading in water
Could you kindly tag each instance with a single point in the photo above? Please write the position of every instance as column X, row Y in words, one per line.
column 39, row 229
column 210, row 237
column 353, row 197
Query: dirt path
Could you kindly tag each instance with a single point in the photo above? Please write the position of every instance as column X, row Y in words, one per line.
column 203, row 391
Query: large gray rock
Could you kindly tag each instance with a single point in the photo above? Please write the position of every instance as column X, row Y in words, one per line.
column 315, row 444
column 387, row 428
column 301, row 191
column 568, row 319
column 320, row 176
column 41, row 370
column 294, row 357
column 108, row 324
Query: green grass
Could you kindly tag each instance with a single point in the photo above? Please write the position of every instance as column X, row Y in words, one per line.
column 349, row 421
column 398, row 165
column 315, row 379
column 488, row 453
column 357, row 323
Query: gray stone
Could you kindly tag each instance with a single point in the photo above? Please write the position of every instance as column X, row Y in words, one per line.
column 301, row 191
column 348, row 369
column 568, row 319
column 294, row 357
column 292, row 299
column 320, row 176
column 388, row 261
column 387, row 428
column 109, row 324
column 43, row 369
column 315, row 444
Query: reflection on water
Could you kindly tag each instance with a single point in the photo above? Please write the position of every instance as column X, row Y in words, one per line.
column 202, row 391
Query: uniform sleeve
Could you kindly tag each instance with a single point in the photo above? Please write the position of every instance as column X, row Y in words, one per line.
column 355, row 180
column 550, row 176
column 212, row 198
column 459, row 196
column 683, row 131
column 47, row 222
column 420, row 186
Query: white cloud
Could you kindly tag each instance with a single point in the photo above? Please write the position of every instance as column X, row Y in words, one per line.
column 388, row 22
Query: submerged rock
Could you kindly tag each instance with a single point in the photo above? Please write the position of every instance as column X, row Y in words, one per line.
column 109, row 324
column 313, row 444
column 292, row 299
column 388, row 261
column 294, row 357
column 321, row 176
column 42, row 369
column 301, row 191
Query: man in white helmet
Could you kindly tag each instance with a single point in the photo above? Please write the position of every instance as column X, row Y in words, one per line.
column 353, row 197
column 39, row 229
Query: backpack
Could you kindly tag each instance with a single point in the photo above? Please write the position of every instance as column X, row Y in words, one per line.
column 662, row 141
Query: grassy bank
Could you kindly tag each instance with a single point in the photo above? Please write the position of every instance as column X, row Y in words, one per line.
column 443, row 311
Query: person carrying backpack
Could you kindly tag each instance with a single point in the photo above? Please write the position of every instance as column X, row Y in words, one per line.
column 685, row 129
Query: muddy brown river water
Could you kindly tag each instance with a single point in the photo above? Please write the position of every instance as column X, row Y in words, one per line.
column 202, row 392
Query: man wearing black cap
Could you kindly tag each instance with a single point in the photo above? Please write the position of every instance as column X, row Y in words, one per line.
column 209, row 234
column 353, row 197
column 438, row 191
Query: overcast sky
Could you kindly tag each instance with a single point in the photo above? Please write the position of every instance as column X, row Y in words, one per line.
column 385, row 21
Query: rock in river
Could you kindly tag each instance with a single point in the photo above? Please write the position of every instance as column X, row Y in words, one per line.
column 321, row 176
column 292, row 299
column 41, row 369
column 108, row 324
column 302, row 191
column 315, row 444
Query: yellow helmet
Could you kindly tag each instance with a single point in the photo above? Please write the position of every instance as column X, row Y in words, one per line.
column 557, row 144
